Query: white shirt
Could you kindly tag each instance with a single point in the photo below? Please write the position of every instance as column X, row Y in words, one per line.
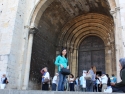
column 71, row 79
column 47, row 76
column 54, row 80
column 104, row 79
column 2, row 80
column 98, row 80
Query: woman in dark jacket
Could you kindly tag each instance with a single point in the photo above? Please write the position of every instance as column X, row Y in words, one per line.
column 120, row 87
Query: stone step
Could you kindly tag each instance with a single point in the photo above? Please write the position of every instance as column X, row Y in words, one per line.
column 12, row 91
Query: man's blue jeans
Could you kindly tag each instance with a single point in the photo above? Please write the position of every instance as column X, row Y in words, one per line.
column 61, row 82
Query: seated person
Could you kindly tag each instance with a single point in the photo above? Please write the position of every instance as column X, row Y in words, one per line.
column 120, row 87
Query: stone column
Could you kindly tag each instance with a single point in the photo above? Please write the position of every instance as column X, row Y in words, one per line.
column 57, row 53
column 29, row 52
column 108, row 60
column 74, row 62
column 118, row 38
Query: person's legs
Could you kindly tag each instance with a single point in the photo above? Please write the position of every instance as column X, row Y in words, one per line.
column 53, row 87
column 46, row 86
column 96, row 87
column 104, row 86
column 99, row 88
column 73, row 87
column 87, row 85
column 70, row 86
column 84, row 89
column 60, row 82
column 63, row 81
column 91, row 86
column 67, row 86
column 3, row 86
column 81, row 89
column 120, row 89
column 78, row 88
column 43, row 86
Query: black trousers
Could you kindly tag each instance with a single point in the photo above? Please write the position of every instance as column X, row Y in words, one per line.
column 71, row 85
column 118, row 89
column 45, row 86
column 98, row 88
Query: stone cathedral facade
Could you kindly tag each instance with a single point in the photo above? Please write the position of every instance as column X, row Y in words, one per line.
column 32, row 33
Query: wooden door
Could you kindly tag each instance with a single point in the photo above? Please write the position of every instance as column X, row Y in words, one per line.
column 91, row 52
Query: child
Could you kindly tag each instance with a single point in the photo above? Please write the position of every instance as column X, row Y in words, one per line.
column 83, row 81
column 71, row 82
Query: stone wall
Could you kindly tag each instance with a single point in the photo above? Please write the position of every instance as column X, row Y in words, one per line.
column 7, row 25
column 14, row 27
column 122, row 12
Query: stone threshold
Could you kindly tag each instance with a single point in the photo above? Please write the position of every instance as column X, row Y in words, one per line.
column 13, row 91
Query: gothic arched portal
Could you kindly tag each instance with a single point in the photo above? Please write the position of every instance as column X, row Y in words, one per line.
column 64, row 23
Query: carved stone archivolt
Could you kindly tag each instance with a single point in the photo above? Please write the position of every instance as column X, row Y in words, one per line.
column 92, row 24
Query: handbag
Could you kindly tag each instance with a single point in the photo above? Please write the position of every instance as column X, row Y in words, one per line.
column 88, row 77
column 65, row 71
column 46, row 80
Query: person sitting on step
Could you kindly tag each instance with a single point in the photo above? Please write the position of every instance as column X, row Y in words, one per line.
column 120, row 87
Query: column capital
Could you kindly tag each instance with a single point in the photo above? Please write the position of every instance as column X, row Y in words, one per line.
column 33, row 30
column 113, row 13
column 117, row 9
